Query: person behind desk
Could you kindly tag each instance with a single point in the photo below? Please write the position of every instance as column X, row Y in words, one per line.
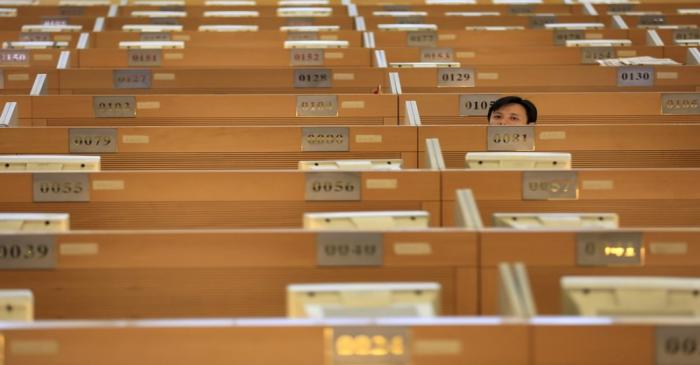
column 512, row 110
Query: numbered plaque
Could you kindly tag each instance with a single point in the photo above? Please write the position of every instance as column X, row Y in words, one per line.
column 333, row 186
column 680, row 103
column 114, row 106
column 164, row 21
column 389, row 345
column 302, row 36
column 14, row 58
column 476, row 104
column 409, row 20
column 27, row 252
column 550, row 185
column 323, row 139
column 562, row 35
column 299, row 21
column 92, row 140
column 154, row 37
column 652, row 20
column 538, row 21
column 349, row 249
column 144, row 57
column 72, row 10
column 60, row 187
column 510, row 138
column 306, row 78
column 306, row 57
column 620, row 8
column 679, row 345
column 684, row 34
column 35, row 37
column 2, row 79
column 635, row 76
column 589, row 55
column 521, row 9
column 436, row 55
column 132, row 79
column 609, row 249
column 421, row 39
column 455, row 77
column 54, row 20
column 317, row 105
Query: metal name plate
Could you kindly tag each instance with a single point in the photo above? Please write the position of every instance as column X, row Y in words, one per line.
column 92, row 140
column 589, row 55
column 27, row 252
column 680, row 103
column 410, row 20
column 538, row 21
column 620, row 8
column 349, row 249
column 306, row 78
column 54, row 20
column 2, row 79
column 72, row 10
column 550, row 185
column 317, row 106
column 154, row 36
column 421, row 39
column 386, row 345
column 333, row 186
column 609, row 249
column 302, row 36
column 132, row 79
column 14, row 58
column 60, row 187
column 560, row 36
column 683, row 34
column 510, row 138
column 521, row 9
column 306, row 57
column 144, row 57
column 164, row 21
column 171, row 8
column 436, row 55
column 324, row 139
column 299, row 21
column 35, row 37
column 679, row 345
column 396, row 8
column 114, row 106
column 652, row 20
column 476, row 104
column 635, row 76
column 455, row 77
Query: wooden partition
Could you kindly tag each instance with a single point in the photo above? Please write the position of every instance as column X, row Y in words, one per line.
column 212, row 110
column 217, row 199
column 368, row 10
column 15, row 24
column 39, row 58
column 19, row 80
column 263, row 38
column 215, row 58
column 168, row 274
column 266, row 23
column 459, row 23
column 257, row 80
column 268, row 147
column 464, row 106
column 12, row 36
column 591, row 146
column 641, row 197
column 547, row 78
column 549, row 255
column 453, row 341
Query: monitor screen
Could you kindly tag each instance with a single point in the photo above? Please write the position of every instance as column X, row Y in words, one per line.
column 518, row 160
column 381, row 220
column 362, row 300
column 630, row 296
column 351, row 165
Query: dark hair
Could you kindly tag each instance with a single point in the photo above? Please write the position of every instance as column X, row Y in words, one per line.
column 530, row 108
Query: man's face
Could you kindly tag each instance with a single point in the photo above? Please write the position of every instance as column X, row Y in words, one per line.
column 509, row 114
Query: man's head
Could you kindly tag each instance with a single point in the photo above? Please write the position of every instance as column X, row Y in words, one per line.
column 512, row 110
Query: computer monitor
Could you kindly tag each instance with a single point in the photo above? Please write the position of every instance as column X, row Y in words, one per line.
column 353, row 300
column 34, row 222
column 630, row 296
column 49, row 163
column 556, row 220
column 379, row 220
column 518, row 160
column 16, row 305
column 351, row 165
